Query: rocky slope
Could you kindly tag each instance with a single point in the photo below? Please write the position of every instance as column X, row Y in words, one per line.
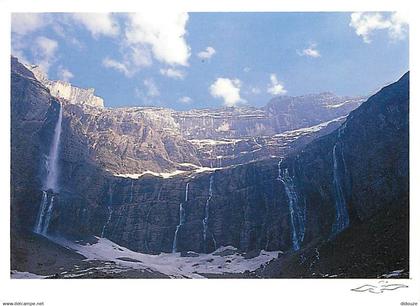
column 110, row 161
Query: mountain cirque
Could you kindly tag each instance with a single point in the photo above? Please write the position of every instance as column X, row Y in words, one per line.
column 157, row 180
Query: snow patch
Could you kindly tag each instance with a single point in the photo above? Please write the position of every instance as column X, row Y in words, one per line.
column 311, row 129
column 171, row 264
column 224, row 127
column 212, row 142
column 14, row 274
column 164, row 175
column 167, row 175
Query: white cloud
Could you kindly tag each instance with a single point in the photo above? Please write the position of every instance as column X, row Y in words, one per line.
column 255, row 90
column 113, row 64
column 163, row 32
column 151, row 88
column 66, row 33
column 148, row 93
column 24, row 23
column 185, row 100
column 64, row 74
column 247, row 69
column 367, row 23
column 311, row 51
column 275, row 87
column 21, row 25
column 98, row 23
column 18, row 47
column 206, row 54
column 44, row 51
column 228, row 90
column 133, row 60
column 172, row 73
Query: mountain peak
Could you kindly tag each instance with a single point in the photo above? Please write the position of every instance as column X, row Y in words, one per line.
column 64, row 89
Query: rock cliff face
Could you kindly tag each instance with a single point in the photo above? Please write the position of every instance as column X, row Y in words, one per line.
column 281, row 114
column 62, row 89
column 362, row 167
column 290, row 113
column 30, row 104
column 282, row 194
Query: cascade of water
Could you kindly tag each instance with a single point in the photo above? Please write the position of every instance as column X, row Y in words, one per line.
column 146, row 237
column 41, row 213
column 214, row 241
column 186, row 192
column 341, row 214
column 160, row 191
column 297, row 214
column 52, row 160
column 131, row 191
column 267, row 240
column 50, row 184
column 206, row 215
column 317, row 258
column 110, row 193
column 107, row 221
column 48, row 216
column 181, row 220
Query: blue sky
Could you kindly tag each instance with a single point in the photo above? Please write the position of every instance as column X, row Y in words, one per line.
column 197, row 60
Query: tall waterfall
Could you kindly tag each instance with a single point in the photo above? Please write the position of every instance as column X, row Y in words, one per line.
column 181, row 220
column 219, row 161
column 131, row 191
column 50, row 185
column 341, row 214
column 186, row 192
column 206, row 216
column 44, row 207
column 52, row 159
column 107, row 221
column 297, row 213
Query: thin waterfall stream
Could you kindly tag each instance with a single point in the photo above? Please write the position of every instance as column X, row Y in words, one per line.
column 50, row 185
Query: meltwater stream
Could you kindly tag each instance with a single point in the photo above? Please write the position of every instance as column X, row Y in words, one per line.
column 297, row 214
column 50, row 185
column 181, row 220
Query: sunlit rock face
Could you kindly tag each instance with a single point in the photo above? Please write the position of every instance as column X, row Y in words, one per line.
column 65, row 90
column 283, row 113
column 124, row 172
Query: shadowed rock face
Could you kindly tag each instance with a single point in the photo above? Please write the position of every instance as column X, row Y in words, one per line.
column 30, row 102
column 246, row 209
column 372, row 149
column 249, row 207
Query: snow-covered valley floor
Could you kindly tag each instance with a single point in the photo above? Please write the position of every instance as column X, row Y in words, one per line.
column 113, row 259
